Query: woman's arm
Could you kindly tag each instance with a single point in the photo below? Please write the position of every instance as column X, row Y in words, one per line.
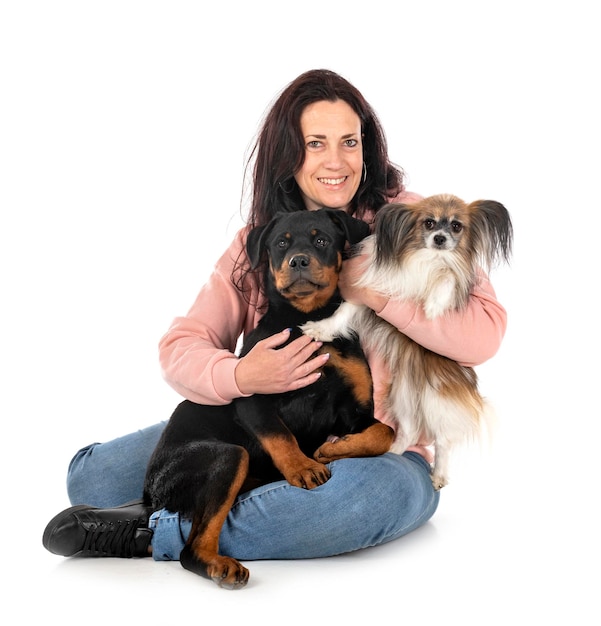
column 470, row 336
column 197, row 352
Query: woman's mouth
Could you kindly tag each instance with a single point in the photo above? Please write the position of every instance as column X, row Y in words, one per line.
column 332, row 181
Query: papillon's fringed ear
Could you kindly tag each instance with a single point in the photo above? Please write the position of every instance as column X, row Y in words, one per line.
column 354, row 230
column 393, row 228
column 493, row 230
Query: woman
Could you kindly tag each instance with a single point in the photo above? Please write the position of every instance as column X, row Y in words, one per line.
column 321, row 144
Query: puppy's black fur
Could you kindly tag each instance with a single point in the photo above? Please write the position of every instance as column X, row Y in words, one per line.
column 209, row 454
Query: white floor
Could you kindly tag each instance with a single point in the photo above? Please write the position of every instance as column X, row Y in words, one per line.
column 124, row 129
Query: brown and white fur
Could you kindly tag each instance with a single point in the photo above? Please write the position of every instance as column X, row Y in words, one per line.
column 430, row 252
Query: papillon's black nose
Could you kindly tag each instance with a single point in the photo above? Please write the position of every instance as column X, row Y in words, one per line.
column 440, row 240
column 299, row 262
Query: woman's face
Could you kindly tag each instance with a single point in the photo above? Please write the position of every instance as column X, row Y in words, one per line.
column 331, row 172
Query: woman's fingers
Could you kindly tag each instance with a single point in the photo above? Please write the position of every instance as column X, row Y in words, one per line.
column 267, row 368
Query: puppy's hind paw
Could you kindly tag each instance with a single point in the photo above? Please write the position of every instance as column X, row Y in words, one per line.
column 224, row 571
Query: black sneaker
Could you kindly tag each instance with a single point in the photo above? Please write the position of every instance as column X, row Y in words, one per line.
column 89, row 531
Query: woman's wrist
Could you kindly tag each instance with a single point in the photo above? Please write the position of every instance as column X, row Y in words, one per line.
column 374, row 300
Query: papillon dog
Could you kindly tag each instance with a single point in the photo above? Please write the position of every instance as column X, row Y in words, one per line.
column 432, row 253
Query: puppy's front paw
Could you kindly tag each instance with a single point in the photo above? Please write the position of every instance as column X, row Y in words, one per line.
column 433, row 310
column 441, row 299
column 331, row 450
column 309, row 475
column 318, row 331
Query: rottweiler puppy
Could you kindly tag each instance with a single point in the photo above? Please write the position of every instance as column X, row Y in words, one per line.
column 207, row 455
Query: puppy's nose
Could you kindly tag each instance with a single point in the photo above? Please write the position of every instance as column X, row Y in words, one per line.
column 299, row 262
column 440, row 240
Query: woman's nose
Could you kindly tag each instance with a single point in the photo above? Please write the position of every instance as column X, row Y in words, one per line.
column 333, row 157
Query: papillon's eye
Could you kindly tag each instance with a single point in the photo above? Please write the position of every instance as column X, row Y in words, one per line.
column 321, row 242
column 456, row 227
column 429, row 224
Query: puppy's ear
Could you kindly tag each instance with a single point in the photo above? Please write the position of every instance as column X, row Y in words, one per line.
column 255, row 243
column 354, row 230
column 492, row 230
column 393, row 230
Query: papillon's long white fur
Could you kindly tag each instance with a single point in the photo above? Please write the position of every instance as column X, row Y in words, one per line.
column 430, row 252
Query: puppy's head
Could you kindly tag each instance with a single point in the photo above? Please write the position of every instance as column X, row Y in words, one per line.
column 480, row 232
column 304, row 253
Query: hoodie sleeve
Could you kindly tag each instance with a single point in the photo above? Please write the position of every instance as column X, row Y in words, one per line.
column 196, row 354
column 470, row 336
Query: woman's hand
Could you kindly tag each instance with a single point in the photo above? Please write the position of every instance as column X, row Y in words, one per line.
column 268, row 370
column 352, row 269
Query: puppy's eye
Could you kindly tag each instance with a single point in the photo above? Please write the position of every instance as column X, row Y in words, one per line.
column 429, row 224
column 321, row 242
column 457, row 227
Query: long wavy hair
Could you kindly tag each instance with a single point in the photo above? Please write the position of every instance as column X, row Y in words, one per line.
column 279, row 151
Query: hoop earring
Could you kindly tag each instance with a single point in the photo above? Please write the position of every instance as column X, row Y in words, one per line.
column 287, row 191
column 364, row 177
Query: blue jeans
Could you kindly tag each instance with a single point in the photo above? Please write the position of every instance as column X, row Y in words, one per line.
column 366, row 502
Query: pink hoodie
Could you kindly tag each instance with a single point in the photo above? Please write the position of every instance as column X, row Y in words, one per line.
column 197, row 352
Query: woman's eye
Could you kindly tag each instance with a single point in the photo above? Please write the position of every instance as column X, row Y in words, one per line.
column 314, row 144
column 351, row 143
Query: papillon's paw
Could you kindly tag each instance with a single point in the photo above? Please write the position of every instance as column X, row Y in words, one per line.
column 441, row 298
column 433, row 310
column 319, row 331
column 439, row 481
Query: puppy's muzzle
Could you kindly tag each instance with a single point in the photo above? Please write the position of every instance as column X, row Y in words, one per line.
column 302, row 273
column 299, row 262
column 440, row 241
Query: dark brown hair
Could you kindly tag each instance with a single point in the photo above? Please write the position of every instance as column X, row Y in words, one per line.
column 279, row 150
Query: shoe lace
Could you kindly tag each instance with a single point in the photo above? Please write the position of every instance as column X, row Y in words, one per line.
column 111, row 539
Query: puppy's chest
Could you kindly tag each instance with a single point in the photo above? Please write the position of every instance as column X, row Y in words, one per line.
column 328, row 403
column 310, row 414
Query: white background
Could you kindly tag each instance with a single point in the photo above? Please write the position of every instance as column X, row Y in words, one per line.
column 124, row 128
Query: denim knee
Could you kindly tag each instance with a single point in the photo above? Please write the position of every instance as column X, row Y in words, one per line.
column 112, row 473
column 78, row 481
